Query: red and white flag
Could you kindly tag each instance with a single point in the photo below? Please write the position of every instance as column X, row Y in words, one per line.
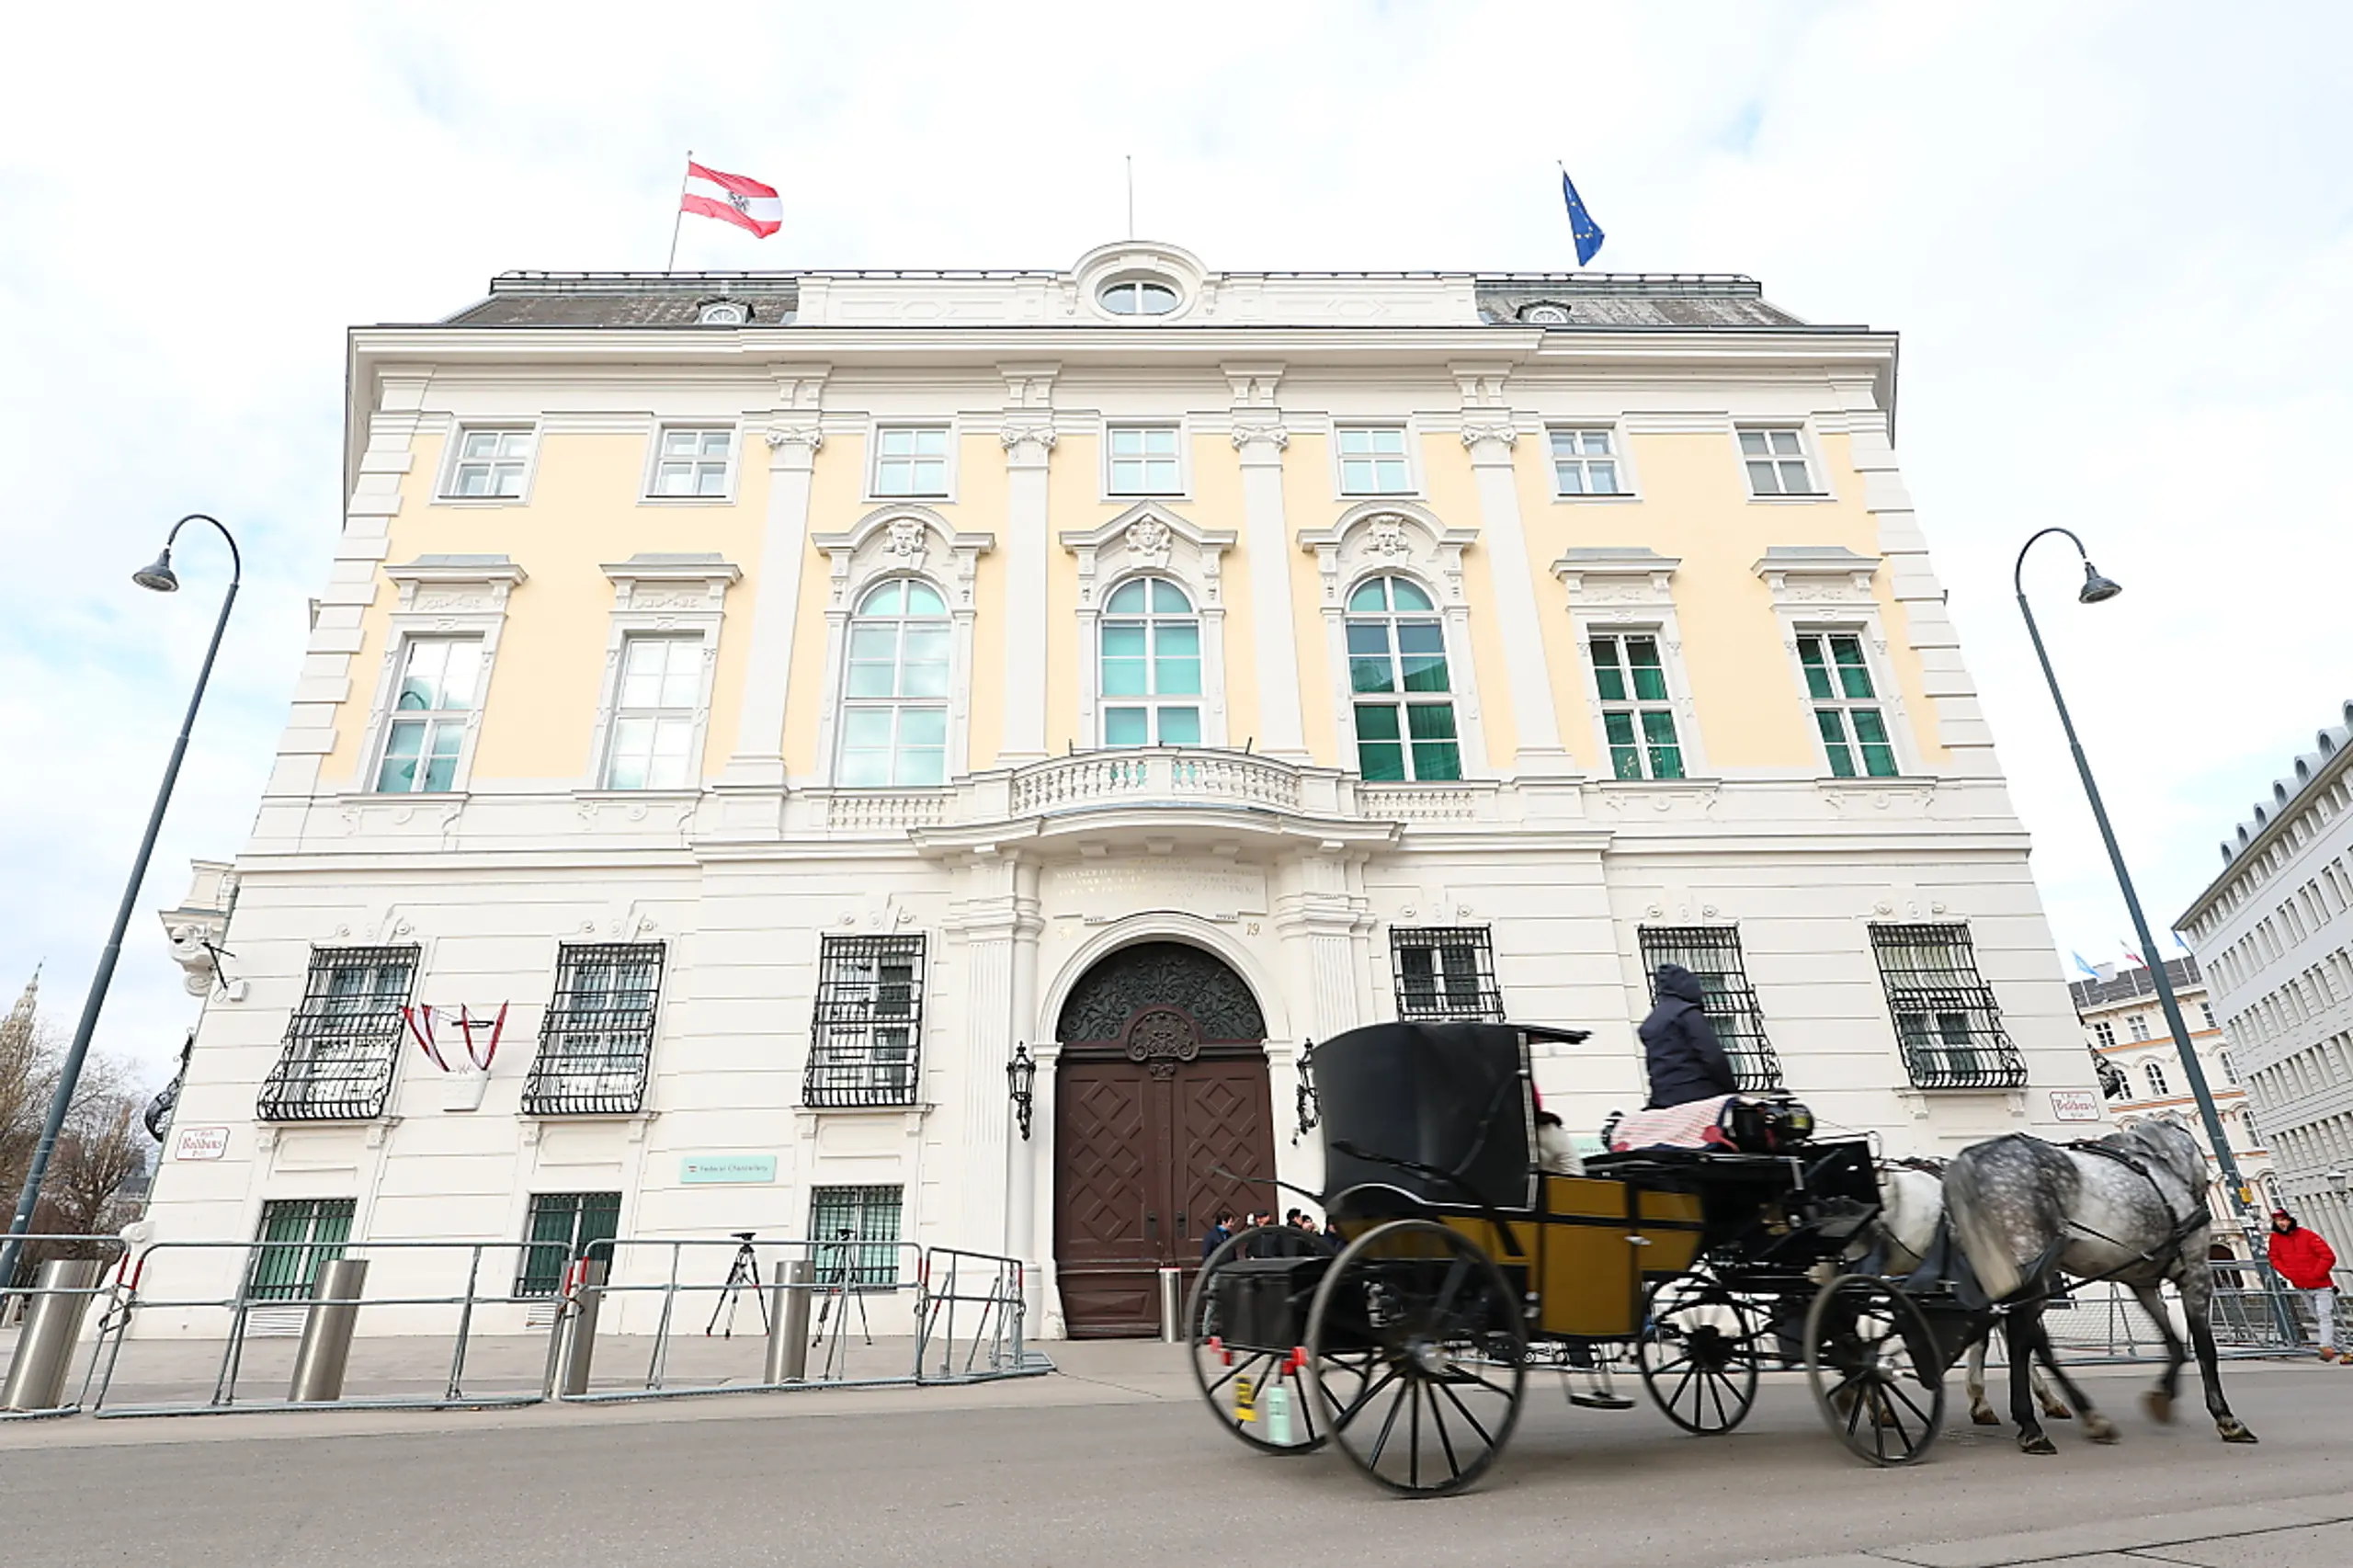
column 732, row 199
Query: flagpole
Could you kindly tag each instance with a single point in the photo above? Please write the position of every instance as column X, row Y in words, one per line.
column 680, row 216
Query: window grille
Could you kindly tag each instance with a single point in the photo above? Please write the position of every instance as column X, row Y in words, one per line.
column 342, row 1040
column 1446, row 972
column 296, row 1236
column 599, row 1031
column 855, row 1230
column 1947, row 1022
column 1712, row 953
column 862, row 1048
column 562, row 1226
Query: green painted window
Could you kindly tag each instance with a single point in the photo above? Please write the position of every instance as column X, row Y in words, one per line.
column 1636, row 713
column 1847, row 712
column 297, row 1235
column 856, row 1233
column 1150, row 672
column 561, row 1227
column 1397, row 671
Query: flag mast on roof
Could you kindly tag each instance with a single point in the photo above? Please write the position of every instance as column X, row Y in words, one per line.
column 1586, row 232
column 731, row 198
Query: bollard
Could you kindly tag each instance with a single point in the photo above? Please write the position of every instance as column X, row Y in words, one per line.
column 580, row 1331
column 45, row 1344
column 1172, row 1310
column 325, row 1349
column 788, row 1323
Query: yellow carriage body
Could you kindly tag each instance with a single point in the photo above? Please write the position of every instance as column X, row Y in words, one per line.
column 1590, row 1250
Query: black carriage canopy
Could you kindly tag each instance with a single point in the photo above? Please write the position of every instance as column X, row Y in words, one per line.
column 1426, row 1113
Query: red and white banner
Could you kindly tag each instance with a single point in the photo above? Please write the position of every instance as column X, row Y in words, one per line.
column 732, row 199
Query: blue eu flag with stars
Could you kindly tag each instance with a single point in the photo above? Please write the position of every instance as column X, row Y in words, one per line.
column 1581, row 224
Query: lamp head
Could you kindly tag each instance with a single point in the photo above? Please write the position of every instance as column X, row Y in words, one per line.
column 2097, row 588
column 158, row 574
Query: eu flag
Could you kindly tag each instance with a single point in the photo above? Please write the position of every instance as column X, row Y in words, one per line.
column 1581, row 224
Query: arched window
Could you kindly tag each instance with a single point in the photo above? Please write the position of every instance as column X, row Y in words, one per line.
column 2157, row 1076
column 894, row 689
column 1151, row 665
column 1404, row 706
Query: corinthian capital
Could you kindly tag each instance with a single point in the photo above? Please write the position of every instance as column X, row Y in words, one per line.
column 1245, row 435
column 1474, row 431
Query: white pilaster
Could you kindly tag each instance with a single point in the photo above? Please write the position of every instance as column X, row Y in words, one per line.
column 1259, row 438
column 794, row 437
column 1028, row 438
column 1488, row 432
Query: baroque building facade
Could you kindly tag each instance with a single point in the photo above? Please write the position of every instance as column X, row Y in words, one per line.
column 809, row 709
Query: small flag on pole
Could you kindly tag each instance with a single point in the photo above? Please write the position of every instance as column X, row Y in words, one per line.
column 732, row 199
column 2136, row 957
column 2082, row 965
column 1586, row 231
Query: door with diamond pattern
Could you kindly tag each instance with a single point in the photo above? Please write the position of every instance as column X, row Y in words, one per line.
column 1157, row 1116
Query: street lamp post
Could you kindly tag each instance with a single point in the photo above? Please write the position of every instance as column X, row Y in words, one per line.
column 2097, row 589
column 158, row 576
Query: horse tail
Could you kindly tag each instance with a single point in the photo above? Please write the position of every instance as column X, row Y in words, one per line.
column 1967, row 1207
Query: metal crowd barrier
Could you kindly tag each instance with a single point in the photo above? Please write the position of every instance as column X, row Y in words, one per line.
column 55, row 1306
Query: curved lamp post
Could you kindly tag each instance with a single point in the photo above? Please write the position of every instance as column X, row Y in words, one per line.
column 157, row 575
column 2097, row 589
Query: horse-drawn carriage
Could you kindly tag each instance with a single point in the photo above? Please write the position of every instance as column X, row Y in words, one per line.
column 1466, row 1265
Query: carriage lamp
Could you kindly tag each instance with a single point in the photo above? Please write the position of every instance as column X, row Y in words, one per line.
column 1021, row 1085
column 1311, row 1109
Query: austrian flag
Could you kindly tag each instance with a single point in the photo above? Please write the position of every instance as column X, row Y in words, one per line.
column 732, row 199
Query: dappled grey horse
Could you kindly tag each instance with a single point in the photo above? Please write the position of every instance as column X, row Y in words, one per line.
column 2130, row 1208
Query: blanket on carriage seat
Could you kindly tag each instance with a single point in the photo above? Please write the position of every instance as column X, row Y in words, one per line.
column 1699, row 1125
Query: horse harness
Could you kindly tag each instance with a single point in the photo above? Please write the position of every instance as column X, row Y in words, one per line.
column 2184, row 1225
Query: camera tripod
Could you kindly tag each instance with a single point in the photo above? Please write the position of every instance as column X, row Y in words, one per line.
column 843, row 1288
column 743, row 1275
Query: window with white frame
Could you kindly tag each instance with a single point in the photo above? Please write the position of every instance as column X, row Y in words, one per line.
column 1150, row 671
column 2104, row 1032
column 1372, row 460
column 653, row 714
column 693, row 462
column 2207, row 1010
column 1404, row 703
column 2139, row 1024
column 1144, row 460
column 1777, row 463
column 1585, row 463
column 894, row 688
column 911, row 459
column 491, row 464
column 2156, row 1074
column 1845, row 704
column 1636, row 715
column 426, row 735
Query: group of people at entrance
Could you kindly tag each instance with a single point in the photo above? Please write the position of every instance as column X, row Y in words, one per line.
column 1297, row 1236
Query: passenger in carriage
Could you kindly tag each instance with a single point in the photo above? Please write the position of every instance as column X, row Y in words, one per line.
column 1686, row 1063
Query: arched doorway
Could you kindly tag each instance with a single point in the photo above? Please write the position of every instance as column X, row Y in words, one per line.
column 1161, row 1086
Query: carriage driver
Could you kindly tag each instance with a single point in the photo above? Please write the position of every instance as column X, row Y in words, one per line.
column 1686, row 1063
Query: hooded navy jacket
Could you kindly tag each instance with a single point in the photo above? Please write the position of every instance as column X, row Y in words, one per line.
column 1679, row 1046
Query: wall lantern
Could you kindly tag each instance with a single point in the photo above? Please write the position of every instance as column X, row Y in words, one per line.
column 1021, row 1083
column 1311, row 1109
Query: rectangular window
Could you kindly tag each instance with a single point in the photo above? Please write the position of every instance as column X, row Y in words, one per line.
column 1946, row 1021
column 855, row 1230
column 1372, row 460
column 1635, row 713
column 438, row 692
column 297, row 1234
column 598, row 1032
column 2206, row 1009
column 1144, row 460
column 1713, row 954
column 653, row 715
column 911, row 459
column 1584, row 464
column 1776, row 464
column 2104, row 1032
column 693, row 462
column 562, row 1226
column 491, row 464
column 1445, row 972
column 863, row 1044
column 2139, row 1024
column 1846, row 705
column 336, row 1065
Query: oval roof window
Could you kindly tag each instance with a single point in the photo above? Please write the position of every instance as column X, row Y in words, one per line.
column 723, row 313
column 1138, row 297
column 1546, row 315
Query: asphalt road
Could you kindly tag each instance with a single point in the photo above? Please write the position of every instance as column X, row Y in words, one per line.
column 1134, row 1472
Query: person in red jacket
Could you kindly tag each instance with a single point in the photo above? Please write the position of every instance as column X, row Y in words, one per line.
column 2304, row 1258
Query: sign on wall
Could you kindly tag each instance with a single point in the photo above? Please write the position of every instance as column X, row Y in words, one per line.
column 711, row 1170
column 2075, row 1105
column 201, row 1143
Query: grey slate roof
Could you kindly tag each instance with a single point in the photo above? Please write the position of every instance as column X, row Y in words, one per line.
column 2134, row 981
column 628, row 298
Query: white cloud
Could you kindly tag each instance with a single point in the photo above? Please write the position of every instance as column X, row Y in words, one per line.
column 2115, row 238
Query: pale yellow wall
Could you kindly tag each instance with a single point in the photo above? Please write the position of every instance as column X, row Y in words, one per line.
column 1449, row 482
column 1839, row 452
column 1308, row 503
column 836, row 488
column 1217, row 504
column 1550, row 529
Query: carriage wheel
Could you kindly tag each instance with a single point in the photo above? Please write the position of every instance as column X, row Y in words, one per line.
column 1699, row 1353
column 1877, row 1374
column 1420, row 1357
column 1236, row 1382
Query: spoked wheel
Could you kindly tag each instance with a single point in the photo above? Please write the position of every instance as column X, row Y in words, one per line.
column 1420, row 1357
column 1698, row 1354
column 1877, row 1373
column 1238, row 1382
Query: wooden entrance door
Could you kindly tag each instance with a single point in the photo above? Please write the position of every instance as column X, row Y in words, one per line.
column 1150, row 1113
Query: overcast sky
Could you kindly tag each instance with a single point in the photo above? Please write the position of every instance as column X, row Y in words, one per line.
column 2117, row 241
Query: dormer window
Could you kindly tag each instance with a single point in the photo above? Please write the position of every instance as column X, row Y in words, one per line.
column 1545, row 314
column 723, row 313
column 1138, row 297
